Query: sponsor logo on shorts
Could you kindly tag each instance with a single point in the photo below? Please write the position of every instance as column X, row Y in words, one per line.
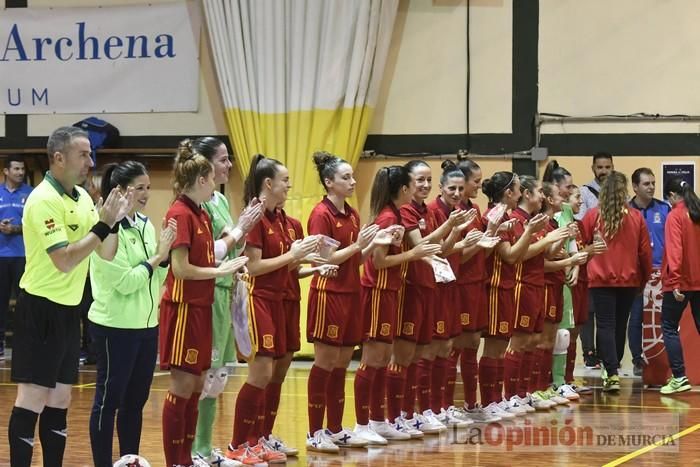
column 464, row 319
column 385, row 329
column 503, row 327
column 332, row 331
column 553, row 311
column 440, row 327
column 191, row 356
column 268, row 341
column 524, row 321
column 408, row 329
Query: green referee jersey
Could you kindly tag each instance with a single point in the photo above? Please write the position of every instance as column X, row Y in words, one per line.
column 53, row 219
column 218, row 210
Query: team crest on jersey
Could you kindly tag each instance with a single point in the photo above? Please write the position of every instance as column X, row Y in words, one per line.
column 464, row 319
column 270, row 231
column 408, row 329
column 191, row 356
column 385, row 329
column 440, row 327
column 268, row 341
column 657, row 218
column 338, row 225
column 503, row 327
column 199, row 231
column 332, row 331
column 524, row 321
column 552, row 311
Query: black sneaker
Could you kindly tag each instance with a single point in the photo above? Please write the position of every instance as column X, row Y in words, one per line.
column 591, row 361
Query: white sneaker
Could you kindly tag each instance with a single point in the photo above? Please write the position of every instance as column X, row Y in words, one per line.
column 278, row 445
column 554, row 397
column 515, row 409
column 479, row 415
column 494, row 408
column 216, row 459
column 460, row 414
column 388, row 431
column 433, row 421
column 422, row 424
column 540, row 401
column 199, row 461
column 321, row 442
column 446, row 418
column 516, row 406
column 580, row 387
column 568, row 392
column 525, row 402
column 402, row 424
column 368, row 434
column 347, row 439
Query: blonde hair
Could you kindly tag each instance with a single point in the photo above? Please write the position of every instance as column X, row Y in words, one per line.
column 188, row 167
column 613, row 202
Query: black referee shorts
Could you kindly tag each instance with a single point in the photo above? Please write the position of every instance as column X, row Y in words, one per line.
column 46, row 343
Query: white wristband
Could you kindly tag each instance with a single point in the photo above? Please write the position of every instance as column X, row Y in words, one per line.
column 237, row 234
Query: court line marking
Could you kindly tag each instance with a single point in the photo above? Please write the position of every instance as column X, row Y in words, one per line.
column 644, row 450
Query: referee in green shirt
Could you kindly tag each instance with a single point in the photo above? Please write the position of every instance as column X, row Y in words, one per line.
column 61, row 228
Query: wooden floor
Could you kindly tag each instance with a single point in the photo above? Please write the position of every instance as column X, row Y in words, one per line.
column 455, row 448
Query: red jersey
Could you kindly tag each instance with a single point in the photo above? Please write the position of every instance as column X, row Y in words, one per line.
column 295, row 232
column 582, row 269
column 442, row 211
column 502, row 274
column 418, row 216
column 627, row 262
column 681, row 263
column 388, row 278
column 474, row 269
column 530, row 271
column 270, row 236
column 555, row 277
column 344, row 227
column 194, row 232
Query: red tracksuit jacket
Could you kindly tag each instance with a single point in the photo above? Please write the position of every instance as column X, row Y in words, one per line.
column 681, row 265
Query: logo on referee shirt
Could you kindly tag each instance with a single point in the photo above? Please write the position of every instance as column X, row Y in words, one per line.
column 332, row 331
column 73, row 227
column 191, row 356
column 50, row 223
column 268, row 341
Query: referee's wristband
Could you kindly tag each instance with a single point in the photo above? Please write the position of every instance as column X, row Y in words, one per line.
column 101, row 229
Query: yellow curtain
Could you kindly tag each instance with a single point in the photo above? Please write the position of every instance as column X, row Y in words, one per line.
column 299, row 77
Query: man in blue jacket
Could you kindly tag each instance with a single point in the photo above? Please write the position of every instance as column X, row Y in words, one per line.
column 654, row 212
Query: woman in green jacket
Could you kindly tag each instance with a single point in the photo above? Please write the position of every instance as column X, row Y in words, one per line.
column 124, row 317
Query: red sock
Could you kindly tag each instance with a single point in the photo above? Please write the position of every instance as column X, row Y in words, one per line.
column 318, row 377
column 364, row 376
column 438, row 383
column 499, row 382
column 448, row 398
column 525, row 374
column 174, row 413
column 470, row 376
column 395, row 383
column 512, row 364
column 424, row 376
column 191, row 412
column 272, row 403
column 335, row 399
column 546, row 369
column 537, row 360
column 409, row 392
column 570, row 361
column 246, row 413
column 377, row 397
column 488, row 373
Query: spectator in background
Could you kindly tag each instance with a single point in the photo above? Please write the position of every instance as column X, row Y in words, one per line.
column 602, row 166
column 654, row 212
column 13, row 195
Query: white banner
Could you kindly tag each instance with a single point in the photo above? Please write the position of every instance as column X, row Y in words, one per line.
column 92, row 60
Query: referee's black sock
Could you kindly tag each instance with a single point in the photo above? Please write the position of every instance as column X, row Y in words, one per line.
column 52, row 433
column 21, row 436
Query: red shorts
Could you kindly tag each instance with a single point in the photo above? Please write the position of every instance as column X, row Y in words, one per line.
column 501, row 313
column 269, row 331
column 380, row 309
column 333, row 318
column 553, row 302
column 185, row 337
column 416, row 306
column 529, row 308
column 446, row 323
column 291, row 324
column 580, row 300
column 472, row 300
